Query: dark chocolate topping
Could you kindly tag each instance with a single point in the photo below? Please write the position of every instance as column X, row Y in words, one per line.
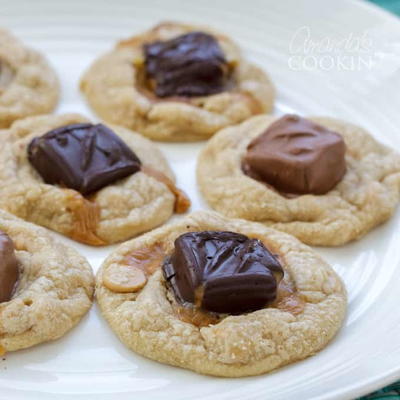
column 222, row 272
column 8, row 267
column 296, row 155
column 188, row 65
column 84, row 157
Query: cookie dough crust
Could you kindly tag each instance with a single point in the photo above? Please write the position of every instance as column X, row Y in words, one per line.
column 54, row 290
column 117, row 212
column 28, row 85
column 238, row 345
column 366, row 196
column 111, row 86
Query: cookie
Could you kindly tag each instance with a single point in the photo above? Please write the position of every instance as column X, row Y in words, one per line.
column 64, row 173
column 176, row 82
column 53, row 290
column 28, row 85
column 136, row 299
column 362, row 193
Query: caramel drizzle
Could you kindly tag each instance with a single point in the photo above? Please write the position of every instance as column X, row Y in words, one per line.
column 195, row 316
column 182, row 201
column 86, row 218
column 147, row 86
column 287, row 296
column 87, row 213
column 254, row 104
column 147, row 259
column 288, row 299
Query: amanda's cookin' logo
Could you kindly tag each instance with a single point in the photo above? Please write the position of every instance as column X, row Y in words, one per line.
column 347, row 53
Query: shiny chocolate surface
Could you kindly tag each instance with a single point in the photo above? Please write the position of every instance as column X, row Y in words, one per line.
column 84, row 157
column 188, row 65
column 296, row 155
column 223, row 272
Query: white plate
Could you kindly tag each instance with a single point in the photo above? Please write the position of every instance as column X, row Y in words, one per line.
column 90, row 362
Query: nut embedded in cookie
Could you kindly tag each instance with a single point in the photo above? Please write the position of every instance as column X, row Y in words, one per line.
column 124, row 279
column 93, row 183
column 323, row 180
column 177, row 82
column 221, row 297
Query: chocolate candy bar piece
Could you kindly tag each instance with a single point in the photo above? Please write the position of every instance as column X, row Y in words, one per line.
column 84, row 157
column 298, row 156
column 223, row 272
column 188, row 65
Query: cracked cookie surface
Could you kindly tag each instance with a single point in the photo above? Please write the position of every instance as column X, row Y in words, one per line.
column 114, row 213
column 28, row 85
column 146, row 320
column 54, row 290
column 366, row 196
column 112, row 88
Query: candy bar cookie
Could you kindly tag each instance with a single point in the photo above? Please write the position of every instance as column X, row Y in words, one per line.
column 322, row 180
column 46, row 287
column 28, row 85
column 221, row 297
column 177, row 82
column 94, row 183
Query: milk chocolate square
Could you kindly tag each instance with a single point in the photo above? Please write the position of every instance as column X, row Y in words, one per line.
column 297, row 156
